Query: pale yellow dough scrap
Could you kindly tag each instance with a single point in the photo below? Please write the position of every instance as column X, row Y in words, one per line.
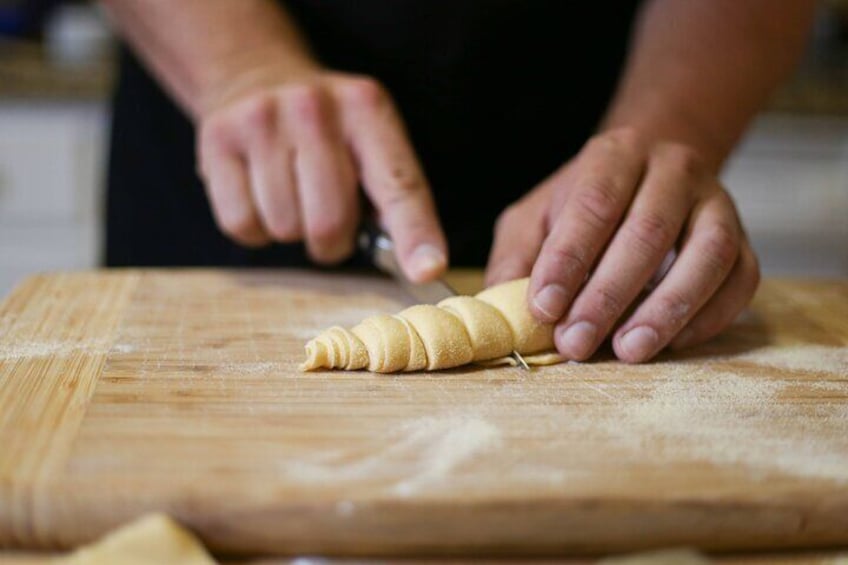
column 462, row 329
column 151, row 540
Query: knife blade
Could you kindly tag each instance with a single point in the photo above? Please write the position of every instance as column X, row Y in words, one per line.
column 381, row 250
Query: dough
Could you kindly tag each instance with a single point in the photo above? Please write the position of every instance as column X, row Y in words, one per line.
column 484, row 329
column 151, row 540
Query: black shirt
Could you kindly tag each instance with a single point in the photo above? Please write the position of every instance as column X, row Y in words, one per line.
column 496, row 95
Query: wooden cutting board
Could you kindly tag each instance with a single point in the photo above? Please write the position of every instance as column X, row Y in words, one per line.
column 131, row 391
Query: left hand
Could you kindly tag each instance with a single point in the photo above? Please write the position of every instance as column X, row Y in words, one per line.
column 594, row 233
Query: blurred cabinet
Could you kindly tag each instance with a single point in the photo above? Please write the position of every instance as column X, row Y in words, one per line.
column 51, row 172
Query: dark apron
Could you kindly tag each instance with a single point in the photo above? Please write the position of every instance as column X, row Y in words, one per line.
column 496, row 94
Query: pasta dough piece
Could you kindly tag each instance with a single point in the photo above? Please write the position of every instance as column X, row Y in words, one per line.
column 529, row 334
column 151, row 540
column 484, row 328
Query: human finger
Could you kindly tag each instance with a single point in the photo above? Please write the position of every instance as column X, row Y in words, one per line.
column 228, row 188
column 393, row 180
column 326, row 181
column 270, row 157
column 599, row 188
column 646, row 236
column 518, row 237
column 706, row 258
column 726, row 304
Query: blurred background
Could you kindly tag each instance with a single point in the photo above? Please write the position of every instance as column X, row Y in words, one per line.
column 789, row 176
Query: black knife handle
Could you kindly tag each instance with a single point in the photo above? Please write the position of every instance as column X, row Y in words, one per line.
column 379, row 248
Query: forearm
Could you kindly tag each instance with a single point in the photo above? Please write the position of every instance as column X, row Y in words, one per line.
column 700, row 69
column 195, row 47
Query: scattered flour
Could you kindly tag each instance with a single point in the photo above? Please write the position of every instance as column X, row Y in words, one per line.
column 726, row 418
column 747, row 418
column 423, row 451
column 251, row 368
column 447, row 443
column 28, row 349
column 123, row 348
column 808, row 358
column 345, row 508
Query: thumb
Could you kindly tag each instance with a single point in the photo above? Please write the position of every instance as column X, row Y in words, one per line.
column 519, row 233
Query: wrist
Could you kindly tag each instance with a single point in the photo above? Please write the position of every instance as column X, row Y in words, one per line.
column 246, row 72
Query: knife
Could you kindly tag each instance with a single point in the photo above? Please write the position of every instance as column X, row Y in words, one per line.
column 381, row 251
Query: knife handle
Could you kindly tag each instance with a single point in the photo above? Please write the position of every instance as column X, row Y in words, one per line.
column 380, row 250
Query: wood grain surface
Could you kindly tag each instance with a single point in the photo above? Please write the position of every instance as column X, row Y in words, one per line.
column 130, row 391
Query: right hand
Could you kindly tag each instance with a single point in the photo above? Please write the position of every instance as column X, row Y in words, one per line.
column 282, row 159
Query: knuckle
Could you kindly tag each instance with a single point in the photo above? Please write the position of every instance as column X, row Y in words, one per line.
column 624, row 138
column 567, row 259
column 364, row 92
column 674, row 308
column 607, row 302
column 683, row 159
column 507, row 219
column 260, row 113
column 406, row 188
column 397, row 203
column 283, row 229
column 406, row 179
column 652, row 231
column 721, row 245
column 215, row 129
column 597, row 200
column 305, row 102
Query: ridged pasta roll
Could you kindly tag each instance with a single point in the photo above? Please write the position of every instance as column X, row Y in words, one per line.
column 459, row 330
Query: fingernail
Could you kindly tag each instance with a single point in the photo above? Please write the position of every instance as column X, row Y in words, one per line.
column 683, row 339
column 578, row 340
column 551, row 301
column 427, row 261
column 639, row 343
